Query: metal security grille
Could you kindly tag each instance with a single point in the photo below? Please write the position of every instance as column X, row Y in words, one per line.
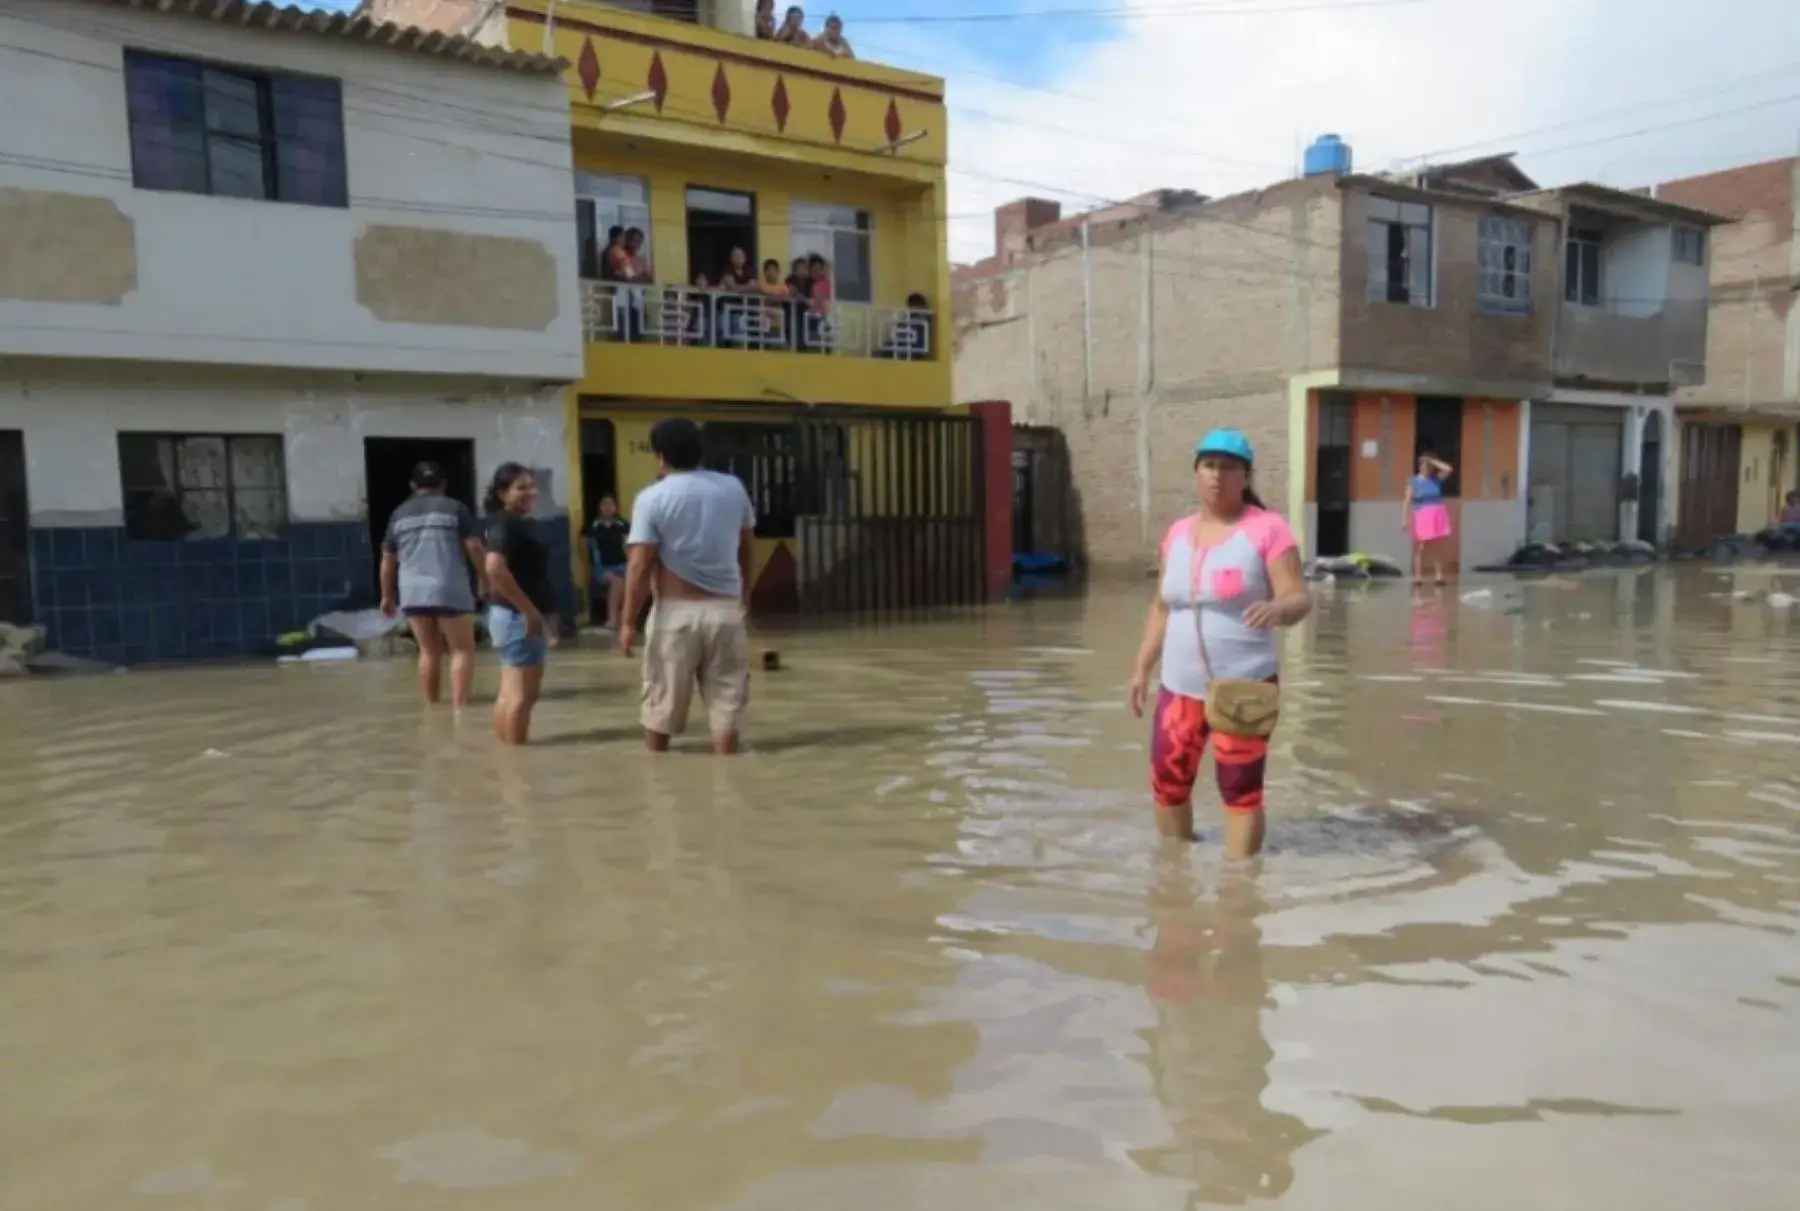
column 889, row 512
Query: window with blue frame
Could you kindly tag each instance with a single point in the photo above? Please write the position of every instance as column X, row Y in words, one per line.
column 196, row 487
column 233, row 132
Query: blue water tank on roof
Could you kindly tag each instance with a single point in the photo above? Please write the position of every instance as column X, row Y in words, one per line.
column 1328, row 156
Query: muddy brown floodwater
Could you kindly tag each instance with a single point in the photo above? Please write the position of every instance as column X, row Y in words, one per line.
column 271, row 939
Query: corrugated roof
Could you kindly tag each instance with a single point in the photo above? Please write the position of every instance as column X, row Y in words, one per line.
column 352, row 27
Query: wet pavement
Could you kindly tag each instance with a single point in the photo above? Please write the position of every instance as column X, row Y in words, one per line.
column 272, row 938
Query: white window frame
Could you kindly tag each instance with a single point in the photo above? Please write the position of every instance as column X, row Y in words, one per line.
column 618, row 201
column 1503, row 264
column 1417, row 220
column 814, row 227
column 1688, row 244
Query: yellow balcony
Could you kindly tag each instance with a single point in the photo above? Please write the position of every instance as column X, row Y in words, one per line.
column 653, row 342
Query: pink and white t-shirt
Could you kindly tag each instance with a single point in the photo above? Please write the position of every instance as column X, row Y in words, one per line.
column 1211, row 587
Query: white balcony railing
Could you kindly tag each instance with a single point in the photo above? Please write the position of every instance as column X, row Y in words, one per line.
column 719, row 319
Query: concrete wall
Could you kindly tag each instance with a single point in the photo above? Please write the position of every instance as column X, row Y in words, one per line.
column 72, row 416
column 1187, row 322
column 456, row 255
column 1464, row 349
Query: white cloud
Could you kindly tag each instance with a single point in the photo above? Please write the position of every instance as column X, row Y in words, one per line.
column 1394, row 81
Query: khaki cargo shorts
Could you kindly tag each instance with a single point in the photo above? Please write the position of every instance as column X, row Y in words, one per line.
column 693, row 644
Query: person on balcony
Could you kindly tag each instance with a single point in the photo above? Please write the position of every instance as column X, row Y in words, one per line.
column 793, row 28
column 615, row 262
column 696, row 312
column 775, row 311
column 909, row 338
column 765, row 20
column 818, row 302
column 625, row 264
column 832, row 41
column 738, row 278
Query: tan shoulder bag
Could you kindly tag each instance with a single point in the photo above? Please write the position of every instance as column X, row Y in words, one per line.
column 1235, row 706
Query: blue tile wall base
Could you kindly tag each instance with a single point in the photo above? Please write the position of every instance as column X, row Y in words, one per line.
column 104, row 595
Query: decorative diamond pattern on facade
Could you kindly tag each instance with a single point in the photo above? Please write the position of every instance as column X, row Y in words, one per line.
column 778, row 102
column 890, row 125
column 838, row 115
column 587, row 68
column 658, row 80
column 721, row 92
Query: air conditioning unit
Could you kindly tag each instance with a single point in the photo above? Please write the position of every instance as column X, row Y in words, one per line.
column 1683, row 373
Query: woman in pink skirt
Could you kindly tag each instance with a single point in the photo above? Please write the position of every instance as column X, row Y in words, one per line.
column 1427, row 516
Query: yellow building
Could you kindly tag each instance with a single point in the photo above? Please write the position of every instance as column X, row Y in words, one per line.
column 707, row 140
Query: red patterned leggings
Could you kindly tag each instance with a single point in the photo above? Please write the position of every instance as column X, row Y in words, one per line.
column 1178, row 738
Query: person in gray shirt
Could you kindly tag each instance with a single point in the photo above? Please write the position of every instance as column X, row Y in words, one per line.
column 426, row 574
column 693, row 535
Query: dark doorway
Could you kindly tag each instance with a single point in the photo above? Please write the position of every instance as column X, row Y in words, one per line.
column 1334, row 475
column 1649, row 503
column 717, row 222
column 599, row 467
column 599, row 478
column 388, row 464
column 15, row 535
column 1024, row 526
column 1438, row 432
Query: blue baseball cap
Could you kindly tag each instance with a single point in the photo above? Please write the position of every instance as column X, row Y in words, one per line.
column 1226, row 441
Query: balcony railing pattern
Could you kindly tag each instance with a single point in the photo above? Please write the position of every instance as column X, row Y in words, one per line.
column 690, row 317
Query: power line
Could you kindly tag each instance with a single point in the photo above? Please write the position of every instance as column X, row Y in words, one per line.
column 1602, row 115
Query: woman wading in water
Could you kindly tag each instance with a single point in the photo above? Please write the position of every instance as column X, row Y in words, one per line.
column 1230, row 574
column 518, row 575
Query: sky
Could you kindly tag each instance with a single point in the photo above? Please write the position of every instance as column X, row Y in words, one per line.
column 1110, row 98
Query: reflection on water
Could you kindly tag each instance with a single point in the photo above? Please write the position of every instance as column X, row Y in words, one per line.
column 1525, row 934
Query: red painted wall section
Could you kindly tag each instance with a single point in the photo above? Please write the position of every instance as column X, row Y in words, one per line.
column 995, row 417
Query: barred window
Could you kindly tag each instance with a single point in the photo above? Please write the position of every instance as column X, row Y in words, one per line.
column 1504, row 264
column 195, row 487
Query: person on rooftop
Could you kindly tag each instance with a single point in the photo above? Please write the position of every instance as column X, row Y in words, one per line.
column 832, row 41
column 793, row 28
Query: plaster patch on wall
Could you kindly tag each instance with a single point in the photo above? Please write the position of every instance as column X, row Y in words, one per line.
column 65, row 248
column 414, row 275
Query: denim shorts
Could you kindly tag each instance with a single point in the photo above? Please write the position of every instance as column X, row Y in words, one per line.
column 517, row 648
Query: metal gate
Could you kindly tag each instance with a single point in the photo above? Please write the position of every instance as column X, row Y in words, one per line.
column 15, row 537
column 889, row 512
column 1709, row 483
column 1577, row 456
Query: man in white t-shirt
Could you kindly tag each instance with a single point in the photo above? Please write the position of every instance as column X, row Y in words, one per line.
column 693, row 535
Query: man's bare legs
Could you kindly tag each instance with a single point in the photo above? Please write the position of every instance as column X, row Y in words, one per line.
column 458, row 634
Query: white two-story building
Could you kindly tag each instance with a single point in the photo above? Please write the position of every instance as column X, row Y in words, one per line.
column 256, row 263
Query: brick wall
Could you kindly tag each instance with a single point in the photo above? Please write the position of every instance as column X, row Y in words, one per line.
column 1752, row 275
column 1242, row 296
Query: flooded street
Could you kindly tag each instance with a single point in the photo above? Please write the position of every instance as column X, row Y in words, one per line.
column 274, row 938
